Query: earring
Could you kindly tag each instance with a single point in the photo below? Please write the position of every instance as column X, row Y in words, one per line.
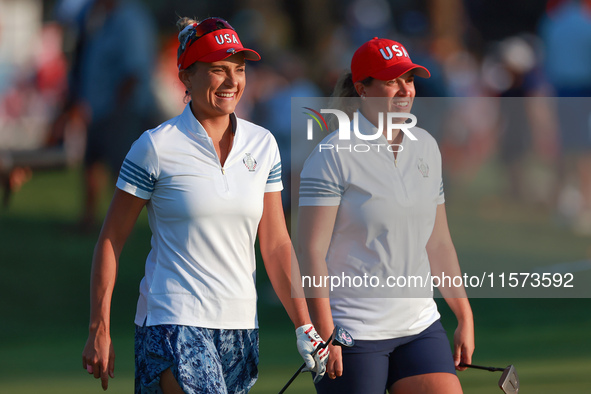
column 363, row 96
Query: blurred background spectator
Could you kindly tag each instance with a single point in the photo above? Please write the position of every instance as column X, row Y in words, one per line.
column 566, row 33
column 519, row 64
column 33, row 73
column 111, row 88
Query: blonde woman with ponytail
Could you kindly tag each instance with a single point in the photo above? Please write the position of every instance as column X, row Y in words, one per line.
column 211, row 183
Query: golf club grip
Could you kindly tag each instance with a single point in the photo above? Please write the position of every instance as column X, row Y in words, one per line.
column 295, row 375
column 491, row 369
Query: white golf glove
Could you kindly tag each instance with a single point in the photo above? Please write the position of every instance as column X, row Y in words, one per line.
column 308, row 341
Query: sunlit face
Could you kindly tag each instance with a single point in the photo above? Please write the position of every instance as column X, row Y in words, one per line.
column 216, row 88
column 401, row 90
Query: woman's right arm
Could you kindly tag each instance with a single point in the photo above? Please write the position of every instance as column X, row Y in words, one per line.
column 315, row 227
column 98, row 356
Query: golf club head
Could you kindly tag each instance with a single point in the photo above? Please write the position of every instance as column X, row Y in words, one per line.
column 340, row 337
column 509, row 381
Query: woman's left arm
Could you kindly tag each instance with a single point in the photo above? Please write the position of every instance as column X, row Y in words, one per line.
column 278, row 254
column 283, row 270
column 443, row 259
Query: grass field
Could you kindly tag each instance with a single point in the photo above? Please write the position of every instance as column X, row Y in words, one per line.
column 45, row 278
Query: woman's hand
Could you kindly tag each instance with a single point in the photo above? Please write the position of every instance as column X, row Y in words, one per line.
column 98, row 357
column 463, row 344
column 334, row 367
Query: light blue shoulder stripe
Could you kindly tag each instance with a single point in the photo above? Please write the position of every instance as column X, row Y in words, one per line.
column 133, row 180
column 318, row 191
column 274, row 174
column 140, row 169
column 315, row 182
column 133, row 183
column 319, row 195
column 140, row 178
column 321, row 186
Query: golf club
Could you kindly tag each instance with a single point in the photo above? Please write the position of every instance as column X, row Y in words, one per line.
column 509, row 381
column 339, row 337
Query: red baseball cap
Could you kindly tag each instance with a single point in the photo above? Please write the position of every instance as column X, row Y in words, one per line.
column 383, row 59
column 210, row 40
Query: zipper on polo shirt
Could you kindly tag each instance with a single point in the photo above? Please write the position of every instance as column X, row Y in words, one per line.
column 400, row 177
column 222, row 169
column 225, row 178
column 397, row 153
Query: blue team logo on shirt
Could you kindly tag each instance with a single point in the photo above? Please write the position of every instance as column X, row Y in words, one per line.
column 249, row 162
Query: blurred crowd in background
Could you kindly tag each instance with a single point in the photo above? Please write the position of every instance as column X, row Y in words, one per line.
column 81, row 79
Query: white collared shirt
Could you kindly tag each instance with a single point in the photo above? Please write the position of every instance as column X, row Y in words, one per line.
column 204, row 219
column 386, row 215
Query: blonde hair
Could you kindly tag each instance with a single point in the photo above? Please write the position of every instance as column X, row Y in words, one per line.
column 184, row 21
column 181, row 23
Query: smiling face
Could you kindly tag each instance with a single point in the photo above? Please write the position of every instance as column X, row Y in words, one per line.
column 215, row 88
column 401, row 90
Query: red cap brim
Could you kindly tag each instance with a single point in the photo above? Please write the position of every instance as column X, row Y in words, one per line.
column 222, row 54
column 399, row 69
column 213, row 47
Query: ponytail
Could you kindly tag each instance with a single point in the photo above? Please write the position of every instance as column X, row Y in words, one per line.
column 342, row 94
column 184, row 22
column 181, row 23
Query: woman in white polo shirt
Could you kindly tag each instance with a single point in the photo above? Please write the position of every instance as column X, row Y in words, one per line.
column 372, row 218
column 211, row 183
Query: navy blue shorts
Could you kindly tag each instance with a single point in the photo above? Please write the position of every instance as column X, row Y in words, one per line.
column 371, row 367
column 203, row 360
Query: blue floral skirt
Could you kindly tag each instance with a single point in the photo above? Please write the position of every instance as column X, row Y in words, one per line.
column 202, row 360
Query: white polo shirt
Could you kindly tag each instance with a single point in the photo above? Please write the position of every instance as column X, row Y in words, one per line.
column 204, row 219
column 385, row 218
